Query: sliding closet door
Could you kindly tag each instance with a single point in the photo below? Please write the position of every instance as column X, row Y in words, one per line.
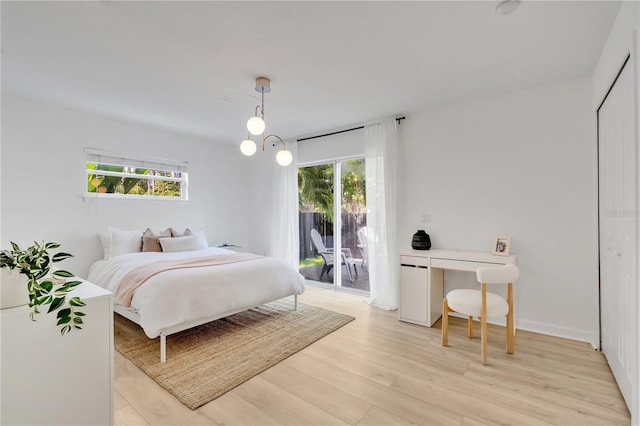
column 618, row 227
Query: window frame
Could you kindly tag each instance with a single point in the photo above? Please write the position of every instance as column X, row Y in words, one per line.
column 97, row 156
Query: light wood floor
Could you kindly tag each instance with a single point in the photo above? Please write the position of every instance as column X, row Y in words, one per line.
column 377, row 370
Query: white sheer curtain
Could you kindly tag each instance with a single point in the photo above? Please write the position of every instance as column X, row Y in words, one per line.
column 381, row 146
column 284, row 243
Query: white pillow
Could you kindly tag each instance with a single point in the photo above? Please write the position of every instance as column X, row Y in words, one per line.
column 202, row 239
column 170, row 245
column 123, row 242
column 105, row 239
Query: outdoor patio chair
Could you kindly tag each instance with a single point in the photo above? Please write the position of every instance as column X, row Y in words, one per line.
column 328, row 256
column 362, row 245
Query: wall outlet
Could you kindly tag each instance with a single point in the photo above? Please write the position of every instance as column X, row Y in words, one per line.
column 425, row 218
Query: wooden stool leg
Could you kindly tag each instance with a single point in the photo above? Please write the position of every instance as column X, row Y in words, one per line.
column 445, row 323
column 483, row 324
column 470, row 327
column 510, row 337
column 511, row 345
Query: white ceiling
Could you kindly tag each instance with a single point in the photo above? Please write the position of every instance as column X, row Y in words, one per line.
column 191, row 66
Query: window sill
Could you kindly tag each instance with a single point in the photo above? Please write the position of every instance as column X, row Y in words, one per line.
column 117, row 197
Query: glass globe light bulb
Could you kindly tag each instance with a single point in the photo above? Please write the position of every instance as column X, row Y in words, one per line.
column 284, row 157
column 256, row 126
column 248, row 147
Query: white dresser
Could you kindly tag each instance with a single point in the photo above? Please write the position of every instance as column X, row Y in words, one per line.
column 421, row 279
column 49, row 379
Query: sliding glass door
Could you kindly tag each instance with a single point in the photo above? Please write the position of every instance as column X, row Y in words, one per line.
column 333, row 218
column 353, row 217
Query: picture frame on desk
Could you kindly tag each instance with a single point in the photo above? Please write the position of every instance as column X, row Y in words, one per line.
column 501, row 246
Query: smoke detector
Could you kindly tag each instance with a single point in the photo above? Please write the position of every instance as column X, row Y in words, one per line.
column 507, row 7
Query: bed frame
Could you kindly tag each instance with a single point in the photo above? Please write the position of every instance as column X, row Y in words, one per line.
column 133, row 316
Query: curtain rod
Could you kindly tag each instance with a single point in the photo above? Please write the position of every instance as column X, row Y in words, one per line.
column 398, row 119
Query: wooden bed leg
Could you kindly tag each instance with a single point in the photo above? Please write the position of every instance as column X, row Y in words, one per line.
column 163, row 347
column 295, row 302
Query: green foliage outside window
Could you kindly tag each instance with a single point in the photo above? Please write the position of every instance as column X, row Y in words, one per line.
column 315, row 188
column 145, row 186
column 354, row 190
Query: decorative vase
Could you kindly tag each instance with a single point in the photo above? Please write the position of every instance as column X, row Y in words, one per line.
column 421, row 241
column 13, row 289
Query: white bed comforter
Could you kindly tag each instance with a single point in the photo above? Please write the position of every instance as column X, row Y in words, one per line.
column 183, row 295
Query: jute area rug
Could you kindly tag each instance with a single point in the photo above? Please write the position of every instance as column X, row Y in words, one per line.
column 209, row 360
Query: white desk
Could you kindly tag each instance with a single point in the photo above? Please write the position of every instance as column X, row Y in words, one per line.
column 421, row 279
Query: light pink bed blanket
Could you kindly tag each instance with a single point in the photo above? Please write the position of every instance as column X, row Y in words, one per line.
column 138, row 276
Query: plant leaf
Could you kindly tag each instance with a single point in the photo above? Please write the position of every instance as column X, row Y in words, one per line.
column 72, row 284
column 57, row 302
column 80, row 314
column 62, row 274
column 64, row 320
column 65, row 329
column 75, row 301
column 66, row 287
column 46, row 286
column 77, row 320
column 52, row 245
column 64, row 313
column 39, row 273
column 58, row 257
column 44, row 300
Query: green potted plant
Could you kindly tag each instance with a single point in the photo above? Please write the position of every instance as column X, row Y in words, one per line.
column 46, row 287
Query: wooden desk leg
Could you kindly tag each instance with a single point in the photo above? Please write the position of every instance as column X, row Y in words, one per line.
column 511, row 345
column 435, row 290
column 470, row 327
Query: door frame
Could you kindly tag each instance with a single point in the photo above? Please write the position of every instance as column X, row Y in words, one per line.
column 337, row 242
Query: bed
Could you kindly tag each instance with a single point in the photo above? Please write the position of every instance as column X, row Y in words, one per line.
column 173, row 300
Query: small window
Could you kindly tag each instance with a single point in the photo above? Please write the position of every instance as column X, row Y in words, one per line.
column 120, row 177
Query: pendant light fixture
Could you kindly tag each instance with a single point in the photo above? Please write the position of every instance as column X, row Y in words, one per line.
column 256, row 126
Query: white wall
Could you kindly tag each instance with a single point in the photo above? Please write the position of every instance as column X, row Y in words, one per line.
column 518, row 164
column 262, row 168
column 619, row 44
column 43, row 180
column 328, row 148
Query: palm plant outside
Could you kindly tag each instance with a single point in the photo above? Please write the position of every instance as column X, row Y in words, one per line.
column 315, row 188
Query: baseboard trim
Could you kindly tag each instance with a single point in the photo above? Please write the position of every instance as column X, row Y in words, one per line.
column 552, row 330
column 548, row 329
